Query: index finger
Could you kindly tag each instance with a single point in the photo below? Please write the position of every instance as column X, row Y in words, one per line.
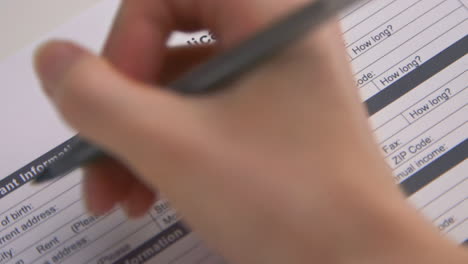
column 137, row 42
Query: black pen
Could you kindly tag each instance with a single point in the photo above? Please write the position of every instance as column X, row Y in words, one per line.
column 219, row 71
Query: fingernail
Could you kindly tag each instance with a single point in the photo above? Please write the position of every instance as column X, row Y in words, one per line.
column 53, row 60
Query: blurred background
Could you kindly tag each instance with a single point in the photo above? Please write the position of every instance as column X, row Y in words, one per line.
column 23, row 21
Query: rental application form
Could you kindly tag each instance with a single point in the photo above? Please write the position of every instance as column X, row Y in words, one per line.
column 410, row 64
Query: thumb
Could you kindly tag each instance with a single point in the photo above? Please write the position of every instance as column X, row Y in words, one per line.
column 108, row 108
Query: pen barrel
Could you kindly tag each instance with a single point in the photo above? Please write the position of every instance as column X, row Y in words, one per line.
column 85, row 153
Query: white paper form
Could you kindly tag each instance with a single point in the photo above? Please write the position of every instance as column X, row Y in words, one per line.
column 411, row 68
column 410, row 65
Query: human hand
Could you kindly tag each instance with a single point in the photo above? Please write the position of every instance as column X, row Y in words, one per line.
column 277, row 159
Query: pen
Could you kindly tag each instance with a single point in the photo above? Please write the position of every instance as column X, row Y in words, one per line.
column 219, row 71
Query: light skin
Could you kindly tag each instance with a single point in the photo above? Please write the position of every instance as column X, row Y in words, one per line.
column 279, row 167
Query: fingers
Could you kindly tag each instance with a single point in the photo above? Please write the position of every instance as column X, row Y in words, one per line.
column 136, row 46
column 135, row 123
column 108, row 183
column 139, row 199
column 105, row 184
column 137, row 41
column 102, row 104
